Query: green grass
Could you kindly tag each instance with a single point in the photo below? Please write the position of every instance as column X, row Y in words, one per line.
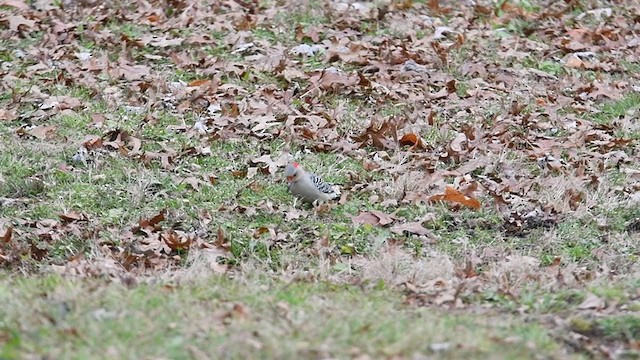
column 51, row 316
column 615, row 109
column 327, row 288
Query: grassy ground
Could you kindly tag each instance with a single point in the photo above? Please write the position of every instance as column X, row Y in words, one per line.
column 235, row 319
column 143, row 213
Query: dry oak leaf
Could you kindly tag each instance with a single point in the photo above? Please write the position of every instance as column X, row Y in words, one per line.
column 6, row 236
column 458, row 144
column 192, row 181
column 263, row 123
column 592, row 302
column 198, row 82
column 8, row 114
column 412, row 228
column 221, row 241
column 373, row 217
column 15, row 21
column 177, row 240
column 272, row 165
column 379, row 134
column 454, row 196
column 41, row 132
column 211, row 256
column 91, row 142
column 61, row 102
column 151, row 223
column 131, row 72
column 71, row 216
column 412, row 140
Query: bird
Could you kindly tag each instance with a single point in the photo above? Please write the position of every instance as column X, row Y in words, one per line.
column 307, row 186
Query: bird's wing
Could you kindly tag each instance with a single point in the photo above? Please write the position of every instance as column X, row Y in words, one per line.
column 321, row 185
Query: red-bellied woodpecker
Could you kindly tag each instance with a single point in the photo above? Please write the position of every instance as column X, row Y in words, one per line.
column 308, row 187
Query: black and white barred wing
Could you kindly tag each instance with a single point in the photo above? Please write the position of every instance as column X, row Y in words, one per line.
column 323, row 186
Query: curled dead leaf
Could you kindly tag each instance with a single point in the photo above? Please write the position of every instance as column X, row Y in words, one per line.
column 413, row 140
column 271, row 165
column 221, row 241
column 458, row 144
column 6, row 236
column 454, row 196
column 261, row 230
column 71, row 216
column 192, row 181
column 152, row 222
column 198, row 82
column 592, row 302
column 239, row 173
column 91, row 142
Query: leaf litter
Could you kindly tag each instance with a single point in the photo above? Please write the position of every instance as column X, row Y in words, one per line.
column 492, row 111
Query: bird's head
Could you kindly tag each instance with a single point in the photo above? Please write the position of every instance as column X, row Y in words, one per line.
column 292, row 171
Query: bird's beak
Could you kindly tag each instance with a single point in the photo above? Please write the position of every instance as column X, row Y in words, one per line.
column 289, row 178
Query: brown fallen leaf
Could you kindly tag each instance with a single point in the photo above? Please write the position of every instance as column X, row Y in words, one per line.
column 365, row 218
column 213, row 179
column 97, row 120
column 592, row 302
column 240, row 311
column 193, row 182
column 454, row 196
column 458, row 144
column 412, row 140
column 238, row 173
column 17, row 21
column 272, row 165
column 6, row 236
column 199, row 82
column 574, row 62
column 130, row 72
column 151, row 223
column 38, row 253
column 211, row 257
column 71, row 216
column 177, row 241
column 379, row 134
column 373, row 217
column 262, row 230
column 41, row 132
column 412, row 228
column 6, row 114
column 468, row 271
column 61, row 103
column 293, row 214
column 221, row 241
column 92, row 142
